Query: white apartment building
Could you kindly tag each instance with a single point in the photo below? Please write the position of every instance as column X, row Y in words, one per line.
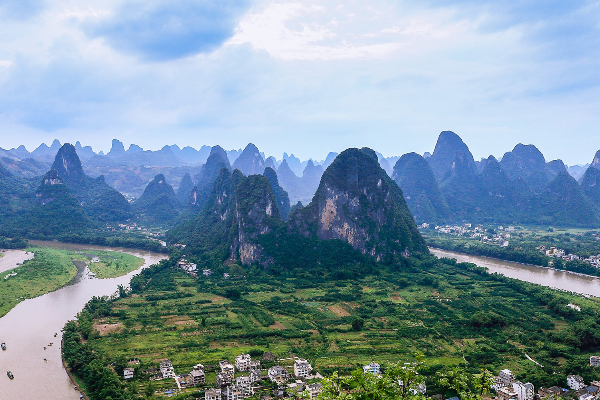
column 302, row 368
column 242, row 362
column 524, row 391
column 212, row 394
column 575, row 382
column 167, row 370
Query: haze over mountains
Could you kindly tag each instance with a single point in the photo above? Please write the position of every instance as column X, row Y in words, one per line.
column 173, row 185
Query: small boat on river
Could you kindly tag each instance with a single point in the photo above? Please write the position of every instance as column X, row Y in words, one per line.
column 10, row 374
column 3, row 345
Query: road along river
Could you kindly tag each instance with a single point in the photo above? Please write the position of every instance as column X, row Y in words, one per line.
column 572, row 282
column 32, row 324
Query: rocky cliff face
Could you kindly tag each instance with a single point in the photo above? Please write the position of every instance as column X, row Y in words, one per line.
column 256, row 214
column 281, row 196
column 239, row 210
column 358, row 203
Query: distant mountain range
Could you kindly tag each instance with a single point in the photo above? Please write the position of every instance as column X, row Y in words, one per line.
column 173, row 185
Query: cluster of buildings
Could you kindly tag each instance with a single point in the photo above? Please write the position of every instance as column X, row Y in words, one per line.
column 508, row 388
column 187, row 267
column 561, row 254
column 231, row 386
column 500, row 238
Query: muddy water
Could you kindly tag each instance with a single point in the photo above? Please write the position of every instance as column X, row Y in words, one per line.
column 563, row 280
column 13, row 258
column 32, row 324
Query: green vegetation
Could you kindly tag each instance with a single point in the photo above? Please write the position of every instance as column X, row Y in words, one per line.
column 49, row 270
column 457, row 314
column 112, row 264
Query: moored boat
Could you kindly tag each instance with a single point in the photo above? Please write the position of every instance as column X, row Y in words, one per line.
column 3, row 345
column 10, row 374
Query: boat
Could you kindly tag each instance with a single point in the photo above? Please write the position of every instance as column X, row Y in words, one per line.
column 10, row 374
column 3, row 345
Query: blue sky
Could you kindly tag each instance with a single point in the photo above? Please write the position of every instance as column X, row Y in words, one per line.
column 306, row 77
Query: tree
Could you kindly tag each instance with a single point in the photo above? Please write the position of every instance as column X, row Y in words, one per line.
column 468, row 386
column 401, row 381
column 358, row 324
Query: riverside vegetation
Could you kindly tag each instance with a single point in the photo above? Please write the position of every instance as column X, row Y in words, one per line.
column 51, row 269
column 525, row 243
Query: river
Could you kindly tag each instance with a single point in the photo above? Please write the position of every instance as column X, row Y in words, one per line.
column 32, row 324
column 563, row 280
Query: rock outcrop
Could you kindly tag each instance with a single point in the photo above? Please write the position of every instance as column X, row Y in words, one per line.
column 358, row 203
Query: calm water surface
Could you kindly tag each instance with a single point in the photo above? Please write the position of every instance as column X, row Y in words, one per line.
column 542, row 276
column 31, row 325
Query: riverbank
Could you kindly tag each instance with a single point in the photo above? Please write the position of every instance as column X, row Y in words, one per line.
column 517, row 262
column 30, row 326
column 571, row 282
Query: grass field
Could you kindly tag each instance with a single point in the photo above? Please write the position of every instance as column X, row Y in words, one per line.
column 112, row 264
column 49, row 270
column 53, row 268
column 430, row 310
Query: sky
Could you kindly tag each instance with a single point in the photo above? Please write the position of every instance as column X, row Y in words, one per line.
column 305, row 77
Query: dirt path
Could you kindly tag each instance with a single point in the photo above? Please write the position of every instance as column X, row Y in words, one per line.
column 12, row 258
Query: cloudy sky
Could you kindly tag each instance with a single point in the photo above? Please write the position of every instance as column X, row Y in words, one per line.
column 306, row 77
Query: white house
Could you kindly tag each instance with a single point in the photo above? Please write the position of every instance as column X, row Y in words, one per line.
column 167, row 370
column 314, row 389
column 595, row 361
column 197, row 375
column 244, row 383
column 302, row 368
column 128, row 373
column 212, row 394
column 242, row 362
column 575, row 382
column 372, row 368
column 505, row 378
column 278, row 374
column 234, row 392
column 524, row 391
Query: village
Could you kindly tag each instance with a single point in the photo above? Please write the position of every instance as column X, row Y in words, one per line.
column 294, row 378
column 501, row 236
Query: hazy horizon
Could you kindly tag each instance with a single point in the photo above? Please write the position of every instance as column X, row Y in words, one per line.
column 303, row 77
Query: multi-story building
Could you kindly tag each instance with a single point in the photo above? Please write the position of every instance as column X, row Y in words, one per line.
column 506, row 393
column 505, row 378
column 224, row 379
column 524, row 391
column 595, row 361
column 197, row 375
column 245, row 385
column 212, row 394
column 242, row 362
column 302, row 368
column 226, row 367
column 278, row 374
column 255, row 375
column 128, row 373
column 575, row 382
column 234, row 392
column 372, row 368
column 167, row 370
column 314, row 389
